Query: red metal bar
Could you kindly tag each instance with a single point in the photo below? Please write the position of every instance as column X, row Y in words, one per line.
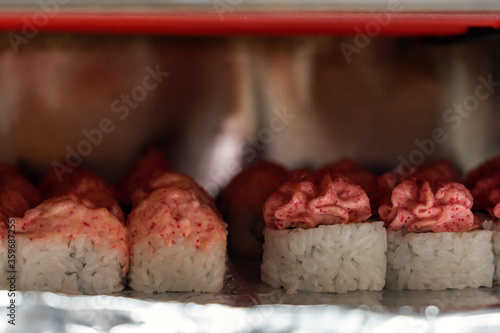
column 249, row 22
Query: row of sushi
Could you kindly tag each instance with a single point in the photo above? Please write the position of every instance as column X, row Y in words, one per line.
column 78, row 241
column 340, row 228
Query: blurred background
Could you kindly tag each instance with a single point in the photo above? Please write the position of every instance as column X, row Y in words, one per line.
column 213, row 104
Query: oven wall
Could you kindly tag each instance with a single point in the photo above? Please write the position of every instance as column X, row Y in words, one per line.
column 214, row 104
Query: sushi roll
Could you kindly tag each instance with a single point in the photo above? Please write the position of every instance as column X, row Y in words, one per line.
column 17, row 195
column 146, row 168
column 177, row 238
column 68, row 244
column 175, row 179
column 434, row 240
column 317, row 236
column 484, row 184
column 350, row 169
column 433, row 172
column 177, row 243
column 485, row 170
column 241, row 204
column 379, row 189
column 84, row 185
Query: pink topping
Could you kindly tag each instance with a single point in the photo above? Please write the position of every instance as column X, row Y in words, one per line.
column 146, row 168
column 12, row 203
column 485, row 170
column 486, row 193
column 12, row 179
column 85, row 185
column 434, row 172
column 416, row 207
column 484, row 183
column 306, row 202
column 96, row 191
column 17, row 194
column 496, row 209
column 248, row 191
column 69, row 216
column 172, row 214
column 349, row 169
column 3, row 230
column 380, row 189
column 175, row 179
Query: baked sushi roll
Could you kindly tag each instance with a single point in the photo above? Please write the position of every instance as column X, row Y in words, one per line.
column 17, row 195
column 84, row 185
column 485, row 170
column 350, row 169
column 177, row 238
column 175, row 179
column 484, row 184
column 241, row 203
column 11, row 178
column 380, row 189
column 317, row 236
column 434, row 241
column 437, row 171
column 146, row 168
column 68, row 244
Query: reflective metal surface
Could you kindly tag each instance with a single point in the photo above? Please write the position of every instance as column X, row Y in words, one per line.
column 247, row 305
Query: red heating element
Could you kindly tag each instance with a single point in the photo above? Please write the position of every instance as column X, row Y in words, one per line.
column 224, row 21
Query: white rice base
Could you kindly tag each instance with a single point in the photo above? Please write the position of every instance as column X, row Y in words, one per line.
column 73, row 266
column 496, row 260
column 155, row 267
column 491, row 224
column 334, row 258
column 438, row 261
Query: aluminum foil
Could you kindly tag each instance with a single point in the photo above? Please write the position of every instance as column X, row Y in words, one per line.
column 248, row 305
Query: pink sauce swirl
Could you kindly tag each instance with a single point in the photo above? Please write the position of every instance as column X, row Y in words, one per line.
column 416, row 207
column 306, row 201
column 380, row 189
